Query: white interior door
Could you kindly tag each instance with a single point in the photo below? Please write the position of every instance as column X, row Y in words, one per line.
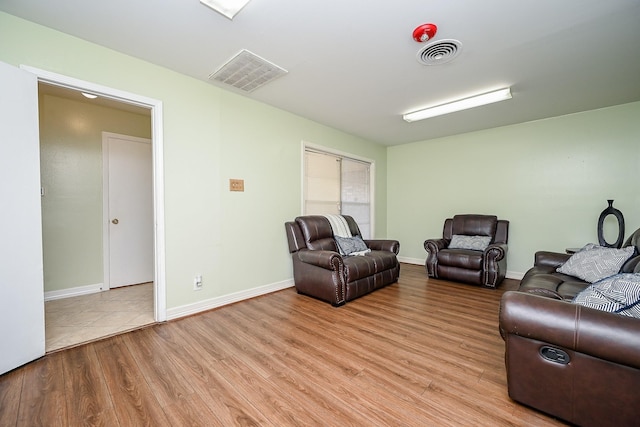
column 21, row 268
column 130, row 210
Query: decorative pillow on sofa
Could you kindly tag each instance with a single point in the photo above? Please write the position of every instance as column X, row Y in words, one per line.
column 351, row 245
column 616, row 294
column 475, row 243
column 593, row 263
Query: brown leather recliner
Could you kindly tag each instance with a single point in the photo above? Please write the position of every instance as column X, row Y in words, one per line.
column 486, row 267
column 321, row 272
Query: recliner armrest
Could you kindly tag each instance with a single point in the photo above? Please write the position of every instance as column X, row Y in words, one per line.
column 607, row 336
column 383, row 245
column 550, row 259
column 496, row 251
column 329, row 260
column 434, row 245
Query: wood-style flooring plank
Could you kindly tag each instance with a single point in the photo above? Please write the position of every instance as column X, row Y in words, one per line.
column 10, row 391
column 156, row 367
column 312, row 381
column 134, row 400
column 319, row 383
column 43, row 401
column 340, row 340
column 192, row 355
column 88, row 399
column 416, row 353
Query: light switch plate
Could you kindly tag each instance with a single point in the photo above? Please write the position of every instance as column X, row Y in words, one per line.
column 236, row 184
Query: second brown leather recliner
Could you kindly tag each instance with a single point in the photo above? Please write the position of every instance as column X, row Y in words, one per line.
column 320, row 271
column 473, row 249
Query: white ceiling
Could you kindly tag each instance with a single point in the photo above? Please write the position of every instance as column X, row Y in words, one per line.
column 352, row 63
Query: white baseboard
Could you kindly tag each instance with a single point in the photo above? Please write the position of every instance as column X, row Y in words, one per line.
column 416, row 261
column 197, row 307
column 72, row 292
column 514, row 275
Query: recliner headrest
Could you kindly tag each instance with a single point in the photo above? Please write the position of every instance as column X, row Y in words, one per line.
column 475, row 225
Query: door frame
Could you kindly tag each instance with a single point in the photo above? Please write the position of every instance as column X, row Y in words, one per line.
column 157, row 143
column 106, row 170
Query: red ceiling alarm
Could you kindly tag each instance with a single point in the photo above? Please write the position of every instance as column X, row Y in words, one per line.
column 424, row 32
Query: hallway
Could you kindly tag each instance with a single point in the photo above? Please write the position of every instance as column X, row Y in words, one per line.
column 76, row 320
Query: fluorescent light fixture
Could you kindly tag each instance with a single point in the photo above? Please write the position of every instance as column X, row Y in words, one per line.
column 228, row 8
column 462, row 104
column 89, row 95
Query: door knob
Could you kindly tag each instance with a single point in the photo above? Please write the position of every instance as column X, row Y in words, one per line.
column 115, row 221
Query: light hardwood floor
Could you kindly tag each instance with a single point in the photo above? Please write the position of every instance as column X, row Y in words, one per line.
column 417, row 353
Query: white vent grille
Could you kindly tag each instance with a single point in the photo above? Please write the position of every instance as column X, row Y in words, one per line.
column 247, row 71
column 439, row 52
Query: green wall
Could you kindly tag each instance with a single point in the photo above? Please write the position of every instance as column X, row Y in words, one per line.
column 71, row 174
column 236, row 241
column 549, row 178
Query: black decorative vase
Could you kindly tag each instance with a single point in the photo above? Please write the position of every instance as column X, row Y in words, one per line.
column 615, row 212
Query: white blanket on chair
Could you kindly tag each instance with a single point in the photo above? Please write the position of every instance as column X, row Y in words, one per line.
column 339, row 225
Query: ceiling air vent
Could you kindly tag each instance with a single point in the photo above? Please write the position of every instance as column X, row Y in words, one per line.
column 247, row 71
column 439, row 52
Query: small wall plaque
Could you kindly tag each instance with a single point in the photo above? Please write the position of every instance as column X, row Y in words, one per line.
column 236, row 184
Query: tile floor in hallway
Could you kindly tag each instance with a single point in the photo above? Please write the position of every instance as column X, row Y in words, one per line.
column 75, row 320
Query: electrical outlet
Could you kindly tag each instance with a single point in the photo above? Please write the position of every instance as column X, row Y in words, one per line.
column 197, row 283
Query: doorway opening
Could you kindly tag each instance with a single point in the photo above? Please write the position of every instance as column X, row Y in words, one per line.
column 123, row 103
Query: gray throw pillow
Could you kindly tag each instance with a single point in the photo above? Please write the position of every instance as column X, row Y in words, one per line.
column 475, row 243
column 616, row 294
column 593, row 263
column 350, row 245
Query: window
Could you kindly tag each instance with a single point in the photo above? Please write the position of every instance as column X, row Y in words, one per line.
column 336, row 184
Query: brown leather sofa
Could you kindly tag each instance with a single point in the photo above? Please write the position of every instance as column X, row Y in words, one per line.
column 486, row 267
column 321, row 272
column 576, row 363
column 543, row 277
